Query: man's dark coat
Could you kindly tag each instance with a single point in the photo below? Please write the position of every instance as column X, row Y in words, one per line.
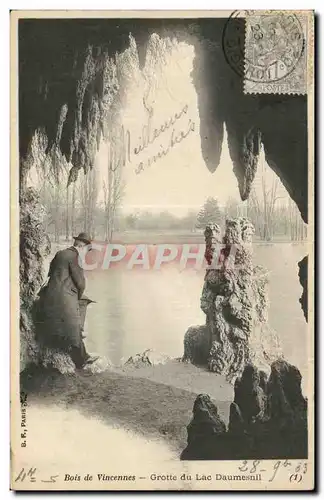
column 59, row 301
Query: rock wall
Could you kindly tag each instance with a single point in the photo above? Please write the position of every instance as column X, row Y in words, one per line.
column 235, row 301
column 34, row 246
column 303, row 279
column 268, row 419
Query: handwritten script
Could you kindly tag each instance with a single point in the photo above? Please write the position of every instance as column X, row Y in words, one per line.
column 149, row 137
column 296, row 472
column 31, row 476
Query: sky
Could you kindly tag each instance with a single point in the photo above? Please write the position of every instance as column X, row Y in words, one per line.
column 179, row 181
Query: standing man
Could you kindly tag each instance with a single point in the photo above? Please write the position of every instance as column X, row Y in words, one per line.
column 60, row 322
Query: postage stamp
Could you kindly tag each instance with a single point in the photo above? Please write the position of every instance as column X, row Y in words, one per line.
column 271, row 52
column 162, row 251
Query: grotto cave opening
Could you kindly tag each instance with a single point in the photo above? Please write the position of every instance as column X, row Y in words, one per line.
column 72, row 91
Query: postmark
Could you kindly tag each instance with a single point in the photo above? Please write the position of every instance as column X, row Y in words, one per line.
column 267, row 49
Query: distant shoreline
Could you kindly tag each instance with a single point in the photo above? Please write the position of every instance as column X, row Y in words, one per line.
column 171, row 236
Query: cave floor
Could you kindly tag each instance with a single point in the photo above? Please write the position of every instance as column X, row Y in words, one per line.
column 153, row 402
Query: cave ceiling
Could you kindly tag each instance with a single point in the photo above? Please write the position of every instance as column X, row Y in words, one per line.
column 61, row 68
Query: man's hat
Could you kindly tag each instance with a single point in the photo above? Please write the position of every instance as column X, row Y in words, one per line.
column 83, row 237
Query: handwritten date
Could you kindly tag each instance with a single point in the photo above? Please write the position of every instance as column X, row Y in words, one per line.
column 296, row 471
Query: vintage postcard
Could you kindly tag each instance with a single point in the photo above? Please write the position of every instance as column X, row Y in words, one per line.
column 162, row 250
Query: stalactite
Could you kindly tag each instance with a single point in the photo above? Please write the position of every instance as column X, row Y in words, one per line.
column 70, row 69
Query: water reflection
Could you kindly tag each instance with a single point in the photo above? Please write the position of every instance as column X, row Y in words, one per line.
column 105, row 326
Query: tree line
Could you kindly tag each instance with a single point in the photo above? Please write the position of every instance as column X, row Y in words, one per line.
column 71, row 207
column 69, row 211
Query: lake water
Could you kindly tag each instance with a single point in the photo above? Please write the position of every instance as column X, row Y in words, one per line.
column 140, row 309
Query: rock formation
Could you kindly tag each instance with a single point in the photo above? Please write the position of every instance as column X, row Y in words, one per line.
column 197, row 345
column 34, row 246
column 303, row 279
column 268, row 419
column 147, row 358
column 206, row 424
column 234, row 299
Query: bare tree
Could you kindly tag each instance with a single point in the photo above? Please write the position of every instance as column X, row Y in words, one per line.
column 261, row 209
column 234, row 208
column 73, row 209
column 298, row 229
column 113, row 188
column 88, row 200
